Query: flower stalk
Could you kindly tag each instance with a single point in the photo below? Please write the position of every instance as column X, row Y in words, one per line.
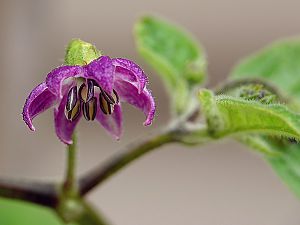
column 70, row 183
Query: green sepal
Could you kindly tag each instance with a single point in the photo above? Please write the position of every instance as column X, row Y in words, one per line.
column 81, row 53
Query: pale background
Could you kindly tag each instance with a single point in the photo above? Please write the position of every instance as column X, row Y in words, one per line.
column 220, row 184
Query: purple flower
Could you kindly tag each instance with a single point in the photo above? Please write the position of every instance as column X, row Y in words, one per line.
column 94, row 91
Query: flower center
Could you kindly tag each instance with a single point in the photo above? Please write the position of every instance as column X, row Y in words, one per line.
column 83, row 98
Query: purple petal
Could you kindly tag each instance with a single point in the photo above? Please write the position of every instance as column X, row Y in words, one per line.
column 112, row 123
column 37, row 102
column 129, row 71
column 101, row 70
column 64, row 128
column 143, row 101
column 56, row 77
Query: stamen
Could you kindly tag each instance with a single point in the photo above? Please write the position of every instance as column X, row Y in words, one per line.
column 107, row 97
column 86, row 92
column 74, row 112
column 89, row 109
column 116, row 96
column 90, row 89
column 72, row 99
column 105, row 105
column 95, row 84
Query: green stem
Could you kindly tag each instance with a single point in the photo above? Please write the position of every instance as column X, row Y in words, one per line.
column 72, row 208
column 70, row 183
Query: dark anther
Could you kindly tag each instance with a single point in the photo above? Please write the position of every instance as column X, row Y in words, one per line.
column 72, row 108
column 95, row 84
column 74, row 112
column 116, row 97
column 89, row 109
column 72, row 99
column 90, row 89
column 107, row 96
column 105, row 105
column 86, row 93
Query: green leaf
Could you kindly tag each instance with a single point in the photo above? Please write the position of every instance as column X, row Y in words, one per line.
column 213, row 116
column 278, row 63
column 175, row 56
column 259, row 143
column 284, row 159
column 15, row 212
column 231, row 116
column 242, row 116
column 287, row 166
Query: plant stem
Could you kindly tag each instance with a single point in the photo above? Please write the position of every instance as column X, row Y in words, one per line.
column 112, row 166
column 47, row 194
column 44, row 194
column 72, row 208
column 70, row 183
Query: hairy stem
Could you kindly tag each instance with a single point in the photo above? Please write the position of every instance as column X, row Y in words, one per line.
column 115, row 164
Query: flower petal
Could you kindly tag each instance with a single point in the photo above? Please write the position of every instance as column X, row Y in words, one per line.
column 112, row 123
column 56, row 77
column 128, row 70
column 37, row 102
column 64, row 128
column 101, row 70
column 143, row 101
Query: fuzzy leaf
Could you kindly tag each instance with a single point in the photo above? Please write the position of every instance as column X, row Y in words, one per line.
column 278, row 63
column 213, row 116
column 237, row 117
column 242, row 116
column 175, row 56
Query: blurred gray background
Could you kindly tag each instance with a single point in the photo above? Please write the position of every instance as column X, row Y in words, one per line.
column 220, row 184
